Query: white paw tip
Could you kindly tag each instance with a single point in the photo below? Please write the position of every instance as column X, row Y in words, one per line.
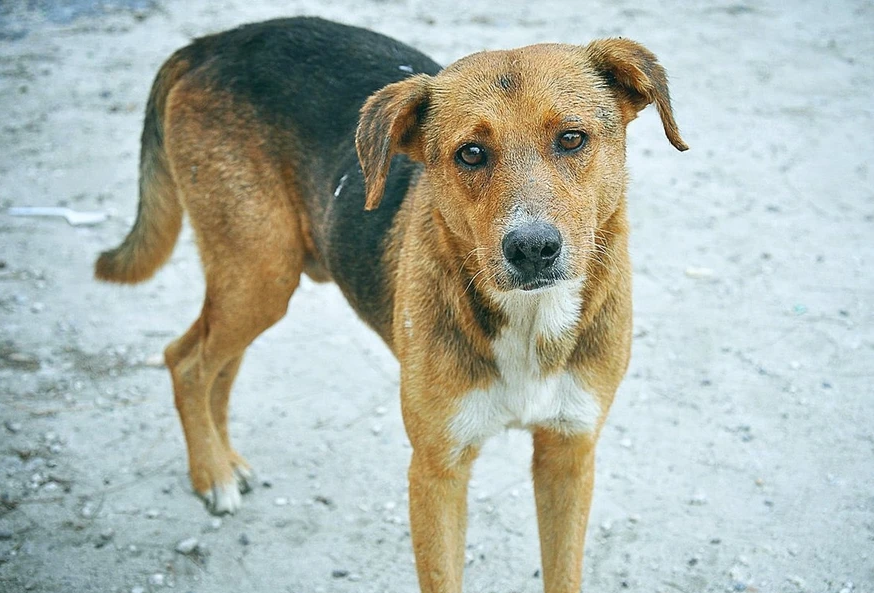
column 223, row 498
column 244, row 477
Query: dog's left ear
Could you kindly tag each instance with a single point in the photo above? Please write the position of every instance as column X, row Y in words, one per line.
column 390, row 124
column 634, row 72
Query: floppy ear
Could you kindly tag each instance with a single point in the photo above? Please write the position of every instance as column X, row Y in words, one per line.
column 635, row 73
column 390, row 124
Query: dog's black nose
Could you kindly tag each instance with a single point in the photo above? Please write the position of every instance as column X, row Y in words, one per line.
column 532, row 248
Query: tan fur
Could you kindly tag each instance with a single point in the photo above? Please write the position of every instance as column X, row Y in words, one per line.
column 254, row 234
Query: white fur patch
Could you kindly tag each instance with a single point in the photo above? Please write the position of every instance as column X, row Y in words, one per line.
column 223, row 498
column 340, row 185
column 522, row 397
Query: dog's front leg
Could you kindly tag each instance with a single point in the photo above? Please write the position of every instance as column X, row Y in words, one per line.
column 438, row 515
column 564, row 472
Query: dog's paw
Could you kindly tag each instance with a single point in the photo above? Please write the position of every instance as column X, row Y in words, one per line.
column 223, row 498
column 244, row 478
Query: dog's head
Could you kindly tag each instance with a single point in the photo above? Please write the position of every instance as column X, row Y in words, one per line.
column 524, row 150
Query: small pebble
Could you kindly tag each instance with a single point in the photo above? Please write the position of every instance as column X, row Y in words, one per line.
column 12, row 427
column 696, row 272
column 280, row 501
column 37, row 307
column 188, row 546
column 699, row 498
column 380, row 411
column 154, row 361
column 107, row 534
column 797, row 581
column 24, row 361
column 215, row 524
column 152, row 514
column 339, row 573
column 5, row 534
column 157, row 579
column 138, row 590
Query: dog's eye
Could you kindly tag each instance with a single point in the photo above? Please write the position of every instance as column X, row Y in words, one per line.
column 571, row 140
column 472, row 155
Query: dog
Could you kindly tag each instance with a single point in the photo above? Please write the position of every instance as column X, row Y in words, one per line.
column 474, row 216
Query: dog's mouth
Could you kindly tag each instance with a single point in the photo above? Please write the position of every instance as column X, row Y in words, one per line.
column 536, row 284
column 533, row 282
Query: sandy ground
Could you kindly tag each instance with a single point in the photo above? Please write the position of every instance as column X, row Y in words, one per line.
column 739, row 455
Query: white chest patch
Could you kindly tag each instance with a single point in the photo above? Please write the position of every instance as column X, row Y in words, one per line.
column 522, row 397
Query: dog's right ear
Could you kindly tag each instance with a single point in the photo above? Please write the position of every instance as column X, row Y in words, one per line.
column 390, row 123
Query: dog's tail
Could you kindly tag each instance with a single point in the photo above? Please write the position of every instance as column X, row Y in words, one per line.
column 150, row 242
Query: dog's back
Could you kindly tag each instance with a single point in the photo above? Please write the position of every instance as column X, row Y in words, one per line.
column 298, row 84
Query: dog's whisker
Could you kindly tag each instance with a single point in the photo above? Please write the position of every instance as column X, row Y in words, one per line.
column 472, row 252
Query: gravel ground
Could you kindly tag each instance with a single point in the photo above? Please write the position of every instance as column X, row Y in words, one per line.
column 739, row 455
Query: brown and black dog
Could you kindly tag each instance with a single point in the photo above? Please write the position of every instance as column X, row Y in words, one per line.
column 474, row 216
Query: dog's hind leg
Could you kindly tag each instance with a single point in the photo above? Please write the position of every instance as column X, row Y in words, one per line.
column 203, row 364
column 219, row 397
column 248, row 288
column 250, row 239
